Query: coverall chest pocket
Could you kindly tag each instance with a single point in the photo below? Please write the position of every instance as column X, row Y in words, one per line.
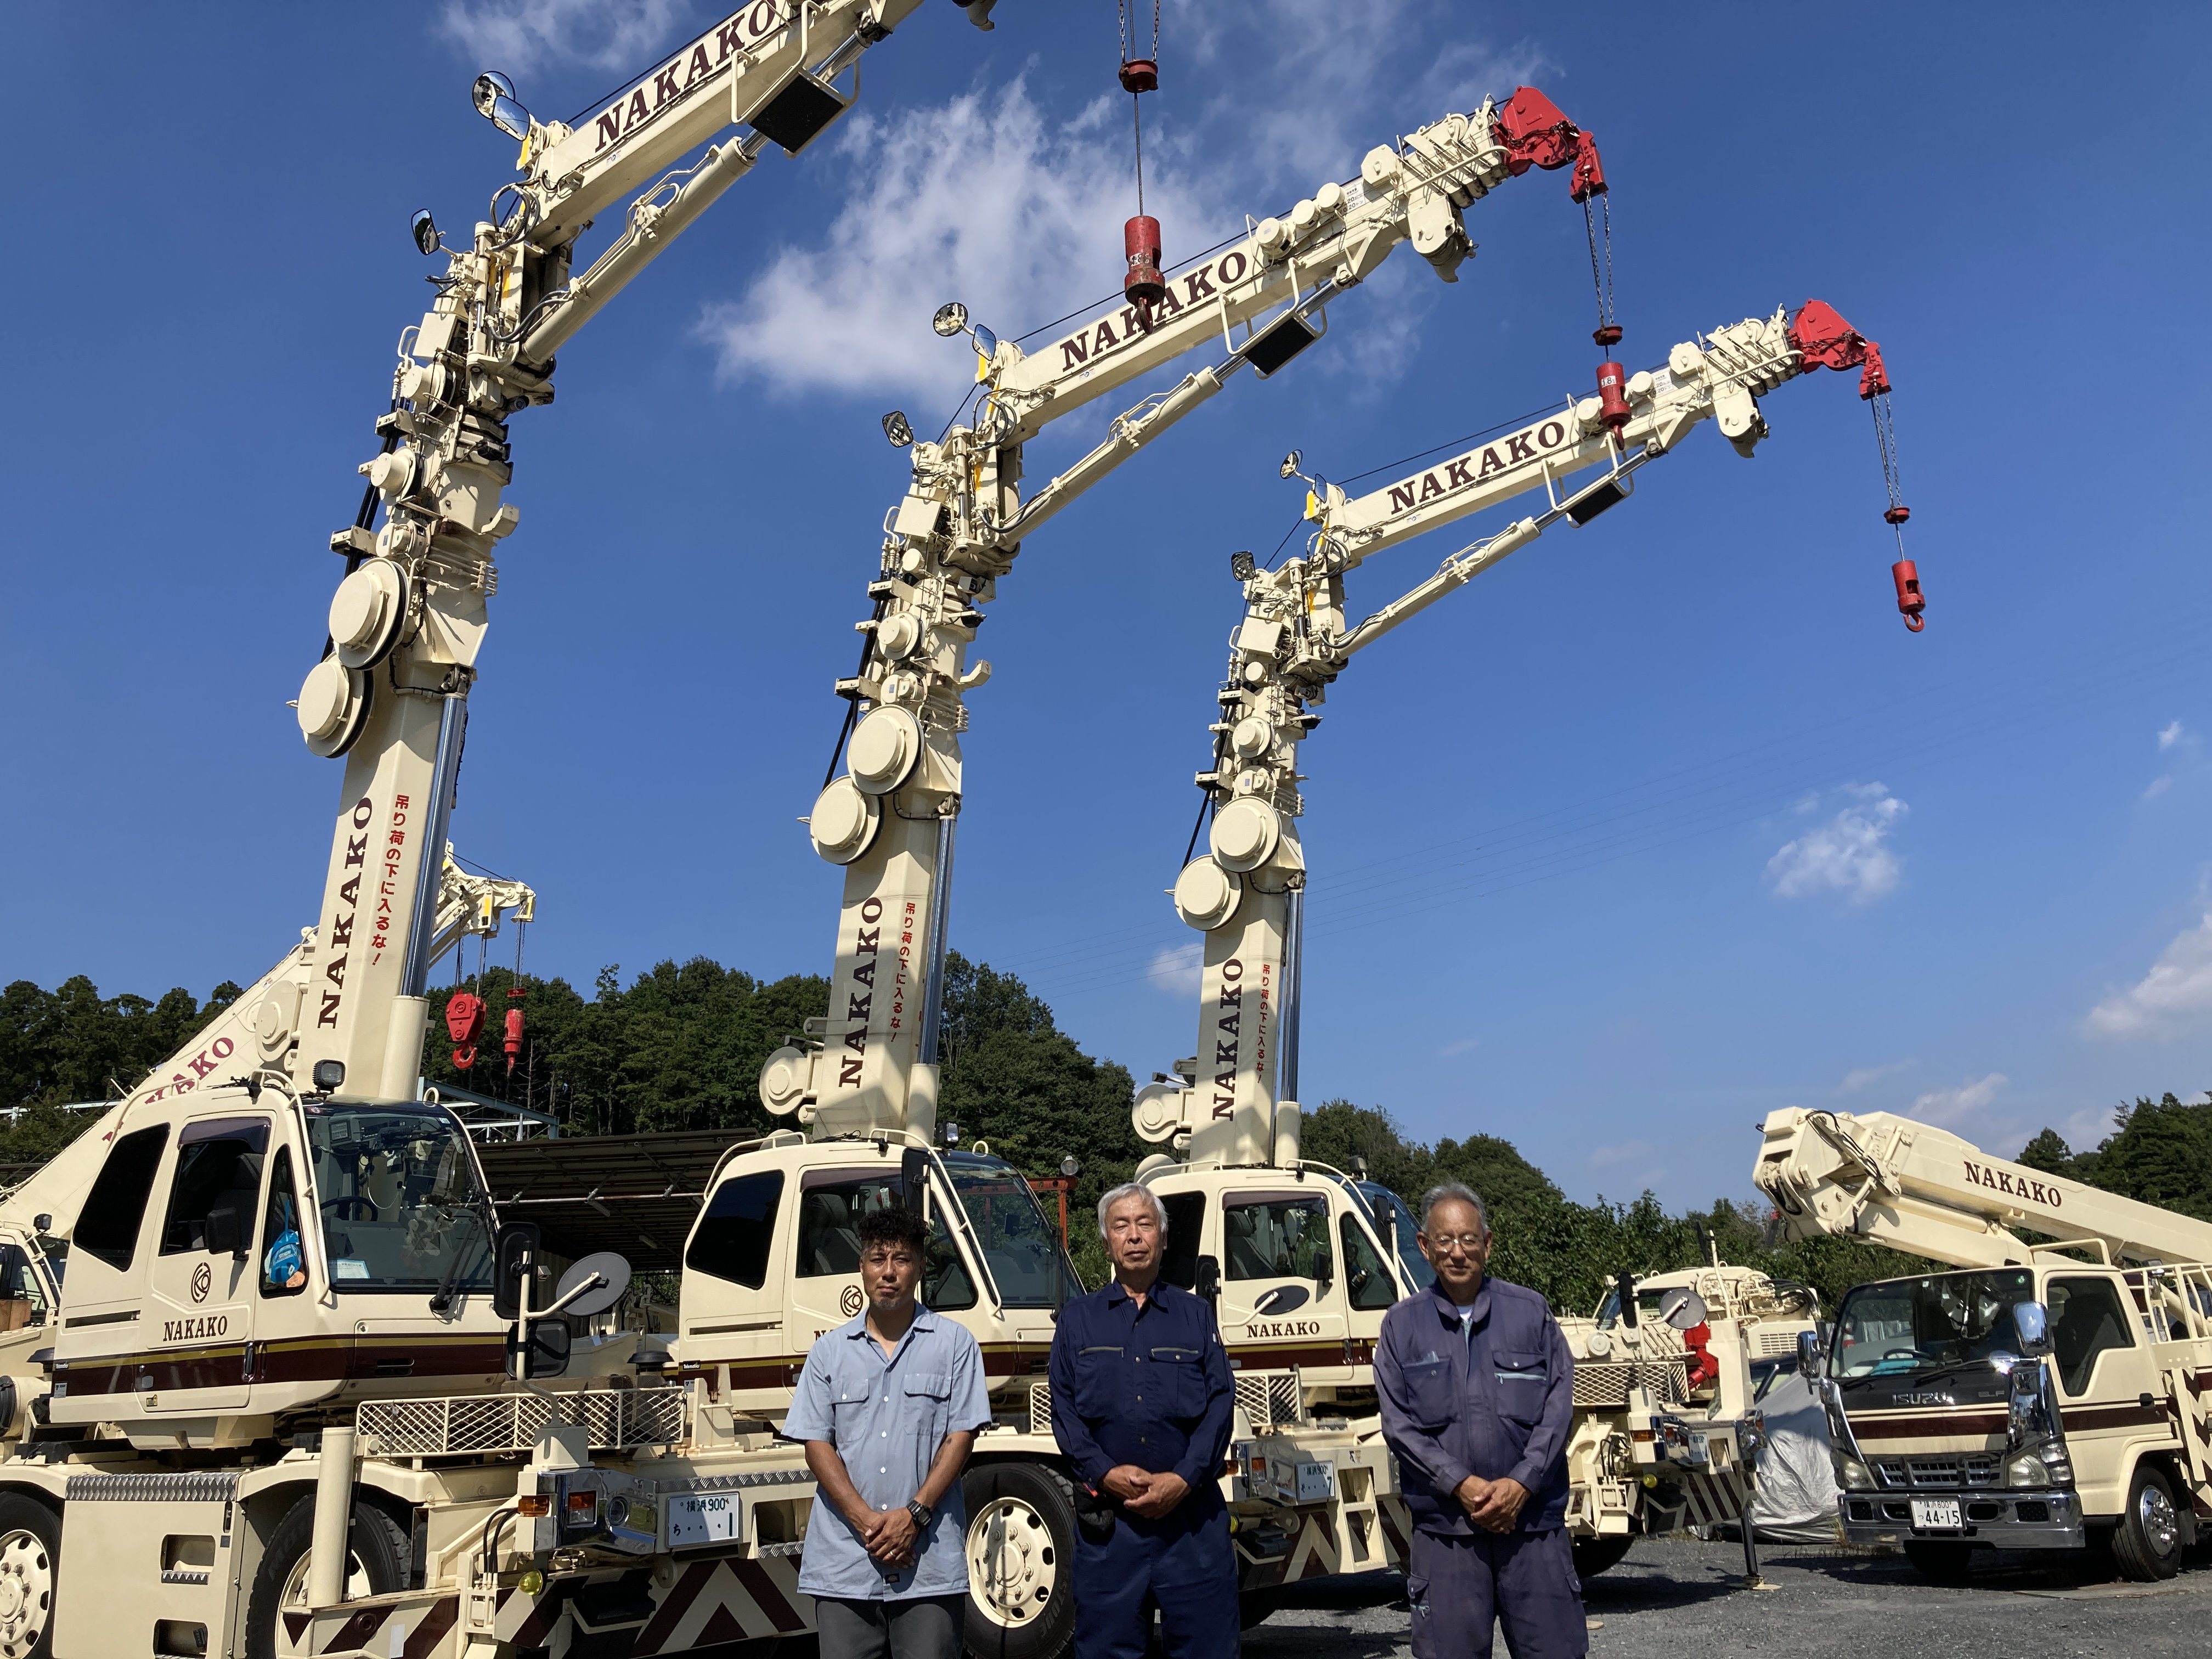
column 928, row 1400
column 1099, row 1380
column 1523, row 1379
column 1180, row 1378
column 1429, row 1392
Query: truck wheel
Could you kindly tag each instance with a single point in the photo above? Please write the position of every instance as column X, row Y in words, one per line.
column 1021, row 1562
column 376, row 1565
column 1594, row 1555
column 30, row 1551
column 1940, row 1562
column 2146, row 1544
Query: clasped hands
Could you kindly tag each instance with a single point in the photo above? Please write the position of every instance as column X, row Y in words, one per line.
column 1143, row 1494
column 1493, row 1506
column 889, row 1537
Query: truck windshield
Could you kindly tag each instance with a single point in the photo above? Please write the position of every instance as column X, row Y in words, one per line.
column 1395, row 1225
column 401, row 1208
column 1019, row 1245
column 1908, row 1328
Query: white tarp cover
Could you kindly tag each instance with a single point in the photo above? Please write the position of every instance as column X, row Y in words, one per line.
column 1796, row 1501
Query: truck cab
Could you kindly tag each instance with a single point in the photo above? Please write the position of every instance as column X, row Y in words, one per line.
column 2025, row 1406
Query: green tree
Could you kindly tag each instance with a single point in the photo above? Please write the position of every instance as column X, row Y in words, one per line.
column 2048, row 1152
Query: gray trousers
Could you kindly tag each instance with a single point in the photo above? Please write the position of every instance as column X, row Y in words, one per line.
column 920, row 1627
column 1461, row 1588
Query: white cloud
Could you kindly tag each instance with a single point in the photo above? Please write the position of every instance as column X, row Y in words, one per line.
column 2158, row 787
column 1628, row 1152
column 517, row 36
column 2172, row 735
column 2173, row 997
column 1179, row 969
column 1951, row 1109
column 1859, row 1076
column 1850, row 853
column 1464, row 1046
column 988, row 198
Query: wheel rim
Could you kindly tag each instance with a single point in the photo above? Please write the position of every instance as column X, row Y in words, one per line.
column 1013, row 1566
column 27, row 1592
column 295, row 1598
column 2160, row 1527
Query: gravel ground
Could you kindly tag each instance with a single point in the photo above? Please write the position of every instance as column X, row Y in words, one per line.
column 1669, row 1598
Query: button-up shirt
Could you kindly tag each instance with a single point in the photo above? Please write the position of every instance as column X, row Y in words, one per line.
column 1148, row 1386
column 887, row 1416
column 1492, row 1397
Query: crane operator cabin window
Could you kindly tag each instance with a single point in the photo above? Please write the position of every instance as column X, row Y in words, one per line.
column 218, row 1167
column 829, row 1214
column 401, row 1208
column 1277, row 1238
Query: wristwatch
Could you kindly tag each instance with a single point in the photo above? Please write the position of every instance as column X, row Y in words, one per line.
column 922, row 1514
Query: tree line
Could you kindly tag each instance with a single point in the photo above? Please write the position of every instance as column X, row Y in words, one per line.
column 680, row 1047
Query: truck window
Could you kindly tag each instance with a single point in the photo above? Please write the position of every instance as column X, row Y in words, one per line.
column 401, row 1207
column 1179, row 1250
column 218, row 1167
column 1276, row 1238
column 22, row 1298
column 947, row 1286
column 107, row 1227
column 1365, row 1276
column 734, row 1234
column 284, row 1263
column 1020, row 1249
column 829, row 1223
column 2085, row 1319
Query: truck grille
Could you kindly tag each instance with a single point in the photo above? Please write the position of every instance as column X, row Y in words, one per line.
column 1600, row 1384
column 1899, row 1472
column 1271, row 1399
column 613, row 1417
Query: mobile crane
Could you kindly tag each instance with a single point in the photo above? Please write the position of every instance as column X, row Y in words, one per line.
column 1647, row 1405
column 869, row 1063
column 2048, row 1393
column 285, row 1399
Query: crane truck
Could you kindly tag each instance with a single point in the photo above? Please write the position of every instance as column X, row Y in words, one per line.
column 2047, row 1393
column 285, row 1399
column 1647, row 1407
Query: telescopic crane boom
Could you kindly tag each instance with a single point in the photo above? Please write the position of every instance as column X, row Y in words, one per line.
column 869, row 1063
column 1926, row 1191
column 391, row 693
column 1246, row 894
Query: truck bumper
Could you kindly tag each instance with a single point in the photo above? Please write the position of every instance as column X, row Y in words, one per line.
column 2003, row 1520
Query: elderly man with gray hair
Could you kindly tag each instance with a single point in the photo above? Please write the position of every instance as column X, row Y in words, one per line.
column 1141, row 1404
column 1477, row 1392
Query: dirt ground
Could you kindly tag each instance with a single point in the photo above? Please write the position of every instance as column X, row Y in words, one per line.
column 1669, row 1598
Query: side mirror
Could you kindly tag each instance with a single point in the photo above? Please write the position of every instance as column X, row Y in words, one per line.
column 225, row 1232
column 513, row 1255
column 1684, row 1310
column 913, row 1177
column 1808, row 1354
column 2031, row 1322
column 545, row 1348
column 1208, row 1286
column 1626, row 1286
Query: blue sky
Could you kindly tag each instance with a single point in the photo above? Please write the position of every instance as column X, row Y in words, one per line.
column 1661, row 825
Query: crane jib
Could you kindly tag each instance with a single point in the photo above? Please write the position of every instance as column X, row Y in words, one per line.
column 661, row 89
column 1531, row 443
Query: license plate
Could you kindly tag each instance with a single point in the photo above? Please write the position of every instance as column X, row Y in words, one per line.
column 1932, row 1514
column 704, row 1518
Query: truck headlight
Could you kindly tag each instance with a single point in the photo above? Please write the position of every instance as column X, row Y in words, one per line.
column 1855, row 1475
column 2027, row 1470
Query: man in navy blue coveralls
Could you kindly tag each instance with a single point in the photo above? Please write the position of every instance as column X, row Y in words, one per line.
column 1141, row 1403
column 1477, row 1387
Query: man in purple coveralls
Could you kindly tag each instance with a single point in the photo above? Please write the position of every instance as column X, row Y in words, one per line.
column 1477, row 1387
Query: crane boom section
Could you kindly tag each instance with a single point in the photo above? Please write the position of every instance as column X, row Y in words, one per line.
column 1926, row 1192
column 1711, row 376
column 721, row 79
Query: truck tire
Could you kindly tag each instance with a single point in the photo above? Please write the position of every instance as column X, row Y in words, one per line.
column 30, row 1560
column 1021, row 1562
column 1595, row 1555
column 2146, row 1544
column 1940, row 1561
column 376, row 1565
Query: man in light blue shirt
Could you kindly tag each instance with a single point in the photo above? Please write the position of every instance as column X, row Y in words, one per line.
column 887, row 1407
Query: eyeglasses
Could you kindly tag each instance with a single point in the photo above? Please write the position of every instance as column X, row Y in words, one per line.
column 1445, row 1243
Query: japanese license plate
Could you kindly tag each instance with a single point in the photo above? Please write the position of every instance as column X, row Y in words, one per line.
column 1932, row 1514
column 701, row 1518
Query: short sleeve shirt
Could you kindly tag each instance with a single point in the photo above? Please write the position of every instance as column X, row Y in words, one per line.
column 887, row 1416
